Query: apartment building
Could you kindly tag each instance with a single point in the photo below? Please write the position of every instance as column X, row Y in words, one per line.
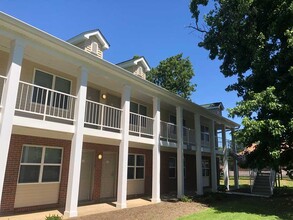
column 76, row 129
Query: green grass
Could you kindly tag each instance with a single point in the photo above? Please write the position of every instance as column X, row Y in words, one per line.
column 224, row 206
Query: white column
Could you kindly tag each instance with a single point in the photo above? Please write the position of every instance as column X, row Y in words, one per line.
column 156, row 151
column 199, row 180
column 76, row 146
column 225, row 157
column 236, row 173
column 9, row 100
column 180, row 153
column 213, row 158
column 123, row 149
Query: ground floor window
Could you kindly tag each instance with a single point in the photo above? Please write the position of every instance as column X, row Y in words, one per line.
column 40, row 164
column 135, row 166
column 205, row 168
column 172, row 167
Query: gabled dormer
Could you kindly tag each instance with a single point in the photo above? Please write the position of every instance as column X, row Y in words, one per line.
column 91, row 41
column 216, row 107
column 137, row 65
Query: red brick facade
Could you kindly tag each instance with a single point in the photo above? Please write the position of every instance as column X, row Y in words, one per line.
column 13, row 163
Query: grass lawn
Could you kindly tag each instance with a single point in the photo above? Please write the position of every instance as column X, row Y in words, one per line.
column 224, row 206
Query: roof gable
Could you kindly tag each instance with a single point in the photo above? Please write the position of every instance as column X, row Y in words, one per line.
column 86, row 35
column 134, row 62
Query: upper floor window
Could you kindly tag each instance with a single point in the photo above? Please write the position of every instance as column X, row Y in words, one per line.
column 135, row 166
column 205, row 135
column 40, row 164
column 138, row 108
column 50, row 81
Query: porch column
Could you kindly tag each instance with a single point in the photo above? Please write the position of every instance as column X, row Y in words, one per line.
column 8, row 104
column 76, row 146
column 213, row 158
column 236, row 172
column 199, row 180
column 180, row 152
column 225, row 157
column 156, row 151
column 123, row 149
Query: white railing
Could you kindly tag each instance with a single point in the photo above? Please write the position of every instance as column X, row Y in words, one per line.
column 2, row 83
column 168, row 132
column 272, row 180
column 140, row 124
column 252, row 176
column 45, row 102
column 101, row 115
column 188, row 136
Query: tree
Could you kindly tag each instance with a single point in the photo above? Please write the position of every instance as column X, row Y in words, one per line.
column 174, row 74
column 254, row 41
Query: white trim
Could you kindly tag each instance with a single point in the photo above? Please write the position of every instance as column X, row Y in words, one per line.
column 98, row 35
column 135, row 166
column 41, row 164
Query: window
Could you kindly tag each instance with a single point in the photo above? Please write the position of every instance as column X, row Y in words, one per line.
column 135, row 166
column 205, row 168
column 138, row 108
column 50, row 81
column 172, row 167
column 205, row 135
column 40, row 164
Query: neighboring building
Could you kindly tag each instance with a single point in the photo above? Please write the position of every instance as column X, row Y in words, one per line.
column 75, row 128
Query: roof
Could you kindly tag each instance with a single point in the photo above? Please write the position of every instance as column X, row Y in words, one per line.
column 87, row 34
column 215, row 105
column 135, row 61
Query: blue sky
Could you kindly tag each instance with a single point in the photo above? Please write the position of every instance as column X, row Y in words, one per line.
column 154, row 29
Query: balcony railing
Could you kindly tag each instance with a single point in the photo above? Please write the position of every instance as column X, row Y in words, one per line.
column 168, row 132
column 2, row 83
column 188, row 136
column 102, row 116
column 141, row 125
column 219, row 143
column 45, row 102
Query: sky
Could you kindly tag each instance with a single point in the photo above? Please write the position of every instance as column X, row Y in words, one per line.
column 155, row 29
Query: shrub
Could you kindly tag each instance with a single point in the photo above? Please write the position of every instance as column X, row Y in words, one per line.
column 53, row 217
column 186, row 199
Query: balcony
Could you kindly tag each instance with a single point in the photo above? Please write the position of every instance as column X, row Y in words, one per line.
column 169, row 134
column 42, row 103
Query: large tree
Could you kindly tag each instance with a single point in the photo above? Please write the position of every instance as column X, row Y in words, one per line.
column 254, row 41
column 174, row 74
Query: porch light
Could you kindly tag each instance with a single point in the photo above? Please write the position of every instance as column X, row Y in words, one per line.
column 104, row 96
column 100, row 156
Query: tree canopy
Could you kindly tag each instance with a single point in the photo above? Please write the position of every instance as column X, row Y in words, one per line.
column 254, row 41
column 174, row 74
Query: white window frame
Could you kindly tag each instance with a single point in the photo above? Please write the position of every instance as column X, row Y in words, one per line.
column 205, row 164
column 54, row 79
column 42, row 164
column 205, row 134
column 138, row 109
column 135, row 166
column 52, row 87
column 175, row 167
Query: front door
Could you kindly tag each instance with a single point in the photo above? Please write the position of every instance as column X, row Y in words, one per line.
column 206, row 172
column 108, row 181
column 86, row 176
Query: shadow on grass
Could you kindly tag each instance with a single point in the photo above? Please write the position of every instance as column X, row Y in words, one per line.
column 280, row 204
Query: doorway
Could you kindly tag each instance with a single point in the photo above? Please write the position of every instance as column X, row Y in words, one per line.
column 109, row 173
column 86, row 175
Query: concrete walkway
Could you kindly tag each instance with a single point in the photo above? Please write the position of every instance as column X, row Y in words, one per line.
column 82, row 210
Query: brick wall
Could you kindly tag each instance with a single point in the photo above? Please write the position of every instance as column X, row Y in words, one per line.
column 12, row 168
